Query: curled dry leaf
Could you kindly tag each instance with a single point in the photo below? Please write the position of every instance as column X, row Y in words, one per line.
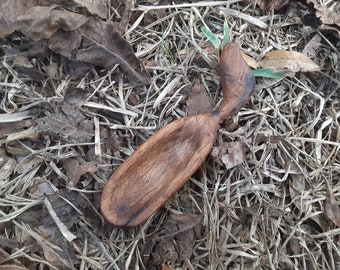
column 293, row 61
column 76, row 167
column 250, row 60
column 73, row 35
column 230, row 153
column 99, row 7
column 328, row 15
column 174, row 241
column 70, row 125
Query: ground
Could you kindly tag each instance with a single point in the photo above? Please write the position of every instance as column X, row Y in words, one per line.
column 266, row 197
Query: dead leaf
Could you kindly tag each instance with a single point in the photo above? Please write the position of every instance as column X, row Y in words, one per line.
column 332, row 206
column 249, row 60
column 33, row 73
column 69, row 125
column 101, row 46
column 76, row 167
column 9, row 243
column 301, row 199
column 52, row 70
column 22, row 60
column 38, row 217
column 7, row 166
column 293, row 61
column 75, row 96
column 125, row 16
column 14, row 126
column 174, row 241
column 74, row 35
column 98, row 7
column 198, row 100
column 312, row 46
column 295, row 245
column 60, row 253
column 9, row 12
column 113, row 46
column 76, row 69
column 166, row 267
column 230, row 153
column 134, row 98
column 328, row 15
column 41, row 22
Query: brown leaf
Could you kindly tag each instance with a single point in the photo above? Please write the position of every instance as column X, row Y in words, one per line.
column 97, row 7
column 14, row 126
column 230, row 153
column 40, row 218
column 332, row 205
column 101, row 46
column 175, row 240
column 74, row 35
column 69, row 126
column 52, row 70
column 166, row 267
column 9, row 12
column 312, row 46
column 295, row 245
column 21, row 60
column 328, row 15
column 198, row 100
column 249, row 60
column 293, row 61
column 109, row 44
column 7, row 165
column 75, row 96
column 301, row 199
column 75, row 168
column 64, row 203
column 33, row 73
column 25, row 66
column 42, row 22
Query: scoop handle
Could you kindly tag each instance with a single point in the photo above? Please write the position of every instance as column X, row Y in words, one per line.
column 237, row 80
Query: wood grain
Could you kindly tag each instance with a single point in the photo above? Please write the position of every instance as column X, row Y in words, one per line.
column 161, row 165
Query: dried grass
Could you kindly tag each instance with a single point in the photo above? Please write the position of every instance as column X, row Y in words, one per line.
column 267, row 213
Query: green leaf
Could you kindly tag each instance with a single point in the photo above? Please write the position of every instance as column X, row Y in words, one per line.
column 169, row 54
column 268, row 73
column 211, row 37
column 226, row 38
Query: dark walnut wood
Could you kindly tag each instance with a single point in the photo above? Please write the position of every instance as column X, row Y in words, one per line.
column 161, row 165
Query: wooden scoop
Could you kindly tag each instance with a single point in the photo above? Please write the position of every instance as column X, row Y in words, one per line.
column 162, row 164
